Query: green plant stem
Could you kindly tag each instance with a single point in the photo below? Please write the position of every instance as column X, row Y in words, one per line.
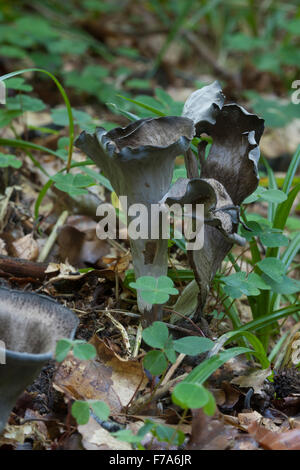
column 51, row 240
column 65, row 98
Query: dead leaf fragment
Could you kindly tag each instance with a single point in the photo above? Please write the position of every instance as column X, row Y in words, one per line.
column 26, row 248
column 95, row 437
column 108, row 378
column 254, row 380
column 288, row 440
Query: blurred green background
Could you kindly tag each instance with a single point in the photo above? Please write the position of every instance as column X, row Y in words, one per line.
column 155, row 51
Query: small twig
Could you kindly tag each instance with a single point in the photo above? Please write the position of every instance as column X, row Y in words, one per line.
column 185, row 318
column 52, row 238
column 122, row 331
column 138, row 341
column 183, row 330
column 4, row 206
column 149, row 397
column 22, row 268
column 122, row 312
column 173, row 368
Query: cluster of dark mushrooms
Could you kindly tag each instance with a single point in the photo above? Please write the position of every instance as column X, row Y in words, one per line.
column 139, row 162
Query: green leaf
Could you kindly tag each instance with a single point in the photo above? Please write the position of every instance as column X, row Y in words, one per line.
column 67, row 46
column 168, row 434
column 236, row 285
column 271, row 318
column 273, row 195
column 72, row 184
column 7, row 160
column 193, row 345
column 275, row 113
column 270, row 237
column 169, row 350
column 155, row 362
column 288, row 180
column 156, row 335
column 18, row 83
column 190, row 395
column 63, row 346
column 210, row 407
column 100, row 409
column 7, row 116
column 25, row 103
column 81, row 412
column 13, row 52
column 98, row 177
column 259, row 350
column 270, row 195
column 255, row 195
column 243, row 42
column 204, row 370
column 155, row 290
column 272, row 267
column 285, row 286
column 273, row 238
column 84, row 351
column 138, row 83
column 63, row 94
column 83, row 120
column 125, row 435
column 143, row 105
column 258, row 282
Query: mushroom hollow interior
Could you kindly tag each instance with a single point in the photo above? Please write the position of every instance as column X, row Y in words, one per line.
column 32, row 323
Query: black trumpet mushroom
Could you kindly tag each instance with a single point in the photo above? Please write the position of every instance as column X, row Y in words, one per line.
column 139, row 161
column 230, row 169
column 30, row 325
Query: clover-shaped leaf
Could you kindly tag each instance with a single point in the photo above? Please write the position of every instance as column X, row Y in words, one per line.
column 155, row 362
column 270, row 195
column 154, row 290
column 269, row 236
column 272, row 267
column 236, row 285
column 193, row 345
column 81, row 411
column 156, row 335
column 190, row 395
column 9, row 160
column 72, row 184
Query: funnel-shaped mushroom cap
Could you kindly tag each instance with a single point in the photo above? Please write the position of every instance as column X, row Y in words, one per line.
column 30, row 325
column 234, row 155
column 230, row 168
column 203, row 105
column 139, row 160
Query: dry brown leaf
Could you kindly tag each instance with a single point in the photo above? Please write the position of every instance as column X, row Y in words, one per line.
column 95, row 437
column 288, row 440
column 80, row 248
column 209, row 432
column 109, row 378
column 254, row 380
column 25, row 248
column 119, row 264
column 245, row 419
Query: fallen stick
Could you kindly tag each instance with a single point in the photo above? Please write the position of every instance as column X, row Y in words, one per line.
column 145, row 400
column 22, row 268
